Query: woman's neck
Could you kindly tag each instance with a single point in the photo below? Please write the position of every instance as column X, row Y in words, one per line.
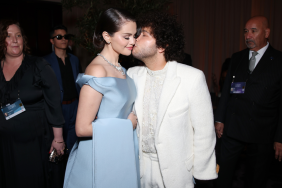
column 12, row 61
column 111, row 55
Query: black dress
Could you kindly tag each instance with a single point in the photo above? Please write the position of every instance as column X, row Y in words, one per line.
column 25, row 139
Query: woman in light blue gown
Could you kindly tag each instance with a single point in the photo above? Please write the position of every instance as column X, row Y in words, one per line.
column 106, row 155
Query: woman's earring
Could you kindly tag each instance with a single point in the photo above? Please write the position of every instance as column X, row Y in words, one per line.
column 108, row 42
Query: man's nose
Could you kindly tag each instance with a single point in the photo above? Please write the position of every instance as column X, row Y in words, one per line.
column 138, row 38
column 248, row 35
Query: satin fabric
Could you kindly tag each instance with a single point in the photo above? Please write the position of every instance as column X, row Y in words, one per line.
column 110, row 157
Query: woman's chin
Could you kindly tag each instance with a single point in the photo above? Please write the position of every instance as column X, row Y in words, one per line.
column 126, row 53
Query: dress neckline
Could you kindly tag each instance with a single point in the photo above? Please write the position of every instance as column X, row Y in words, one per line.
column 7, row 87
column 106, row 77
column 111, row 76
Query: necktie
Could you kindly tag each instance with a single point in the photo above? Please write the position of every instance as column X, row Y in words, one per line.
column 252, row 61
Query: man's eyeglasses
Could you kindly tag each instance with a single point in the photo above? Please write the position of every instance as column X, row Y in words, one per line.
column 59, row 37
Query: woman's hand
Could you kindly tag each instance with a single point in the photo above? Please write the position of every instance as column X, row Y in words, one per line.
column 133, row 118
column 59, row 145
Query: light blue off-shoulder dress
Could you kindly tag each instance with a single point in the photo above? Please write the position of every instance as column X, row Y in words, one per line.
column 110, row 158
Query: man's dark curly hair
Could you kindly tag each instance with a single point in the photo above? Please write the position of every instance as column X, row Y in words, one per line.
column 167, row 32
column 4, row 25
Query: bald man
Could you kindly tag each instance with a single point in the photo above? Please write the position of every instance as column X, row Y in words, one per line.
column 249, row 114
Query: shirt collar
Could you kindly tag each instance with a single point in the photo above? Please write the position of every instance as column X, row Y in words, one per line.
column 158, row 72
column 260, row 51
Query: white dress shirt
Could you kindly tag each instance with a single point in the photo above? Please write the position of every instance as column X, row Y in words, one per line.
column 260, row 53
column 152, row 93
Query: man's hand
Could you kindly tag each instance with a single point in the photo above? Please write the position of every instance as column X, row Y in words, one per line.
column 219, row 129
column 278, row 151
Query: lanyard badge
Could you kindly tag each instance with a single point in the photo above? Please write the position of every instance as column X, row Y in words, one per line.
column 237, row 87
column 12, row 110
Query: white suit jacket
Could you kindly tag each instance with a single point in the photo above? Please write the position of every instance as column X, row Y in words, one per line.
column 184, row 136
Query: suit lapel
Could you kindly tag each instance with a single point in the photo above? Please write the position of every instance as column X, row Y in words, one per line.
column 140, row 79
column 263, row 64
column 73, row 66
column 170, row 86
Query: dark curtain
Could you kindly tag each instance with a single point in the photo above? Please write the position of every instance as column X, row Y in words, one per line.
column 214, row 28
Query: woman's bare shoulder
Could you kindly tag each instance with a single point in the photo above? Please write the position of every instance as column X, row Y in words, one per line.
column 96, row 68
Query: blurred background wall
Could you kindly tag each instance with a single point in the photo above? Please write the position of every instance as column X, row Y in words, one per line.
column 213, row 28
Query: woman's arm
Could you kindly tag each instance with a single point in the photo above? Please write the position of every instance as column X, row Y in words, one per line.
column 46, row 78
column 89, row 102
column 58, row 142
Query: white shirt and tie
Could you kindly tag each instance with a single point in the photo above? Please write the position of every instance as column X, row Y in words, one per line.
column 259, row 54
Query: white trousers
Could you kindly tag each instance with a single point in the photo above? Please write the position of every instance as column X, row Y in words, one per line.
column 152, row 177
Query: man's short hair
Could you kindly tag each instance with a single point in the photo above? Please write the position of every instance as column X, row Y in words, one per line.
column 56, row 28
column 167, row 32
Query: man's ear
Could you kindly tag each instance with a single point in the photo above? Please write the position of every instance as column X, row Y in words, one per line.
column 106, row 37
column 52, row 41
column 161, row 50
column 267, row 32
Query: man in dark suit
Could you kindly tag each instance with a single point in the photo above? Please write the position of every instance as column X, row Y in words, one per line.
column 249, row 113
column 66, row 67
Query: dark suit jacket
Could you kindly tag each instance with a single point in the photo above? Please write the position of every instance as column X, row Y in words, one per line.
column 52, row 59
column 256, row 115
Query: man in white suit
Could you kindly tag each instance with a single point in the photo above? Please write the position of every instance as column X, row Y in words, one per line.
column 173, row 106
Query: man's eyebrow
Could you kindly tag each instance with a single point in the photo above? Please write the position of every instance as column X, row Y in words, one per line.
column 251, row 28
column 143, row 30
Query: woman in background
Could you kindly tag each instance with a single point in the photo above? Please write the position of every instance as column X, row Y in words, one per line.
column 26, row 138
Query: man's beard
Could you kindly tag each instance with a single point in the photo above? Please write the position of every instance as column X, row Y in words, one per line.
column 250, row 46
column 144, row 53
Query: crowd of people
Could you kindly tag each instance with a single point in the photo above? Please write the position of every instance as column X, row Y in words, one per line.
column 151, row 126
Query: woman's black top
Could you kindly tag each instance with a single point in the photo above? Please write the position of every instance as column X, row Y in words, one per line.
column 25, row 139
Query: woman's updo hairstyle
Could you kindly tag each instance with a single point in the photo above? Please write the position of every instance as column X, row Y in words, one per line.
column 110, row 21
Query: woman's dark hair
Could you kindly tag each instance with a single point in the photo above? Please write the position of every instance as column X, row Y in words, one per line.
column 110, row 21
column 4, row 25
column 167, row 32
